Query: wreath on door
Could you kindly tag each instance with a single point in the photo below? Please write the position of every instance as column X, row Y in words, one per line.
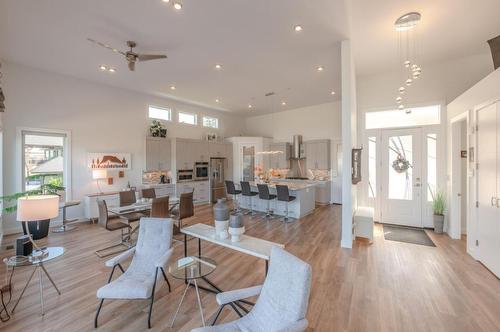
column 401, row 164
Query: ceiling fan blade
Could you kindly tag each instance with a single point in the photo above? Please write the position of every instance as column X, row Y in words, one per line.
column 105, row 46
column 146, row 57
column 131, row 65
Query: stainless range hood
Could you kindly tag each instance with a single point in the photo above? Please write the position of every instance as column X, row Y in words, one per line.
column 297, row 148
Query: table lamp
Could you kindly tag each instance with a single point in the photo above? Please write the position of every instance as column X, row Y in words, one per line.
column 37, row 208
column 99, row 174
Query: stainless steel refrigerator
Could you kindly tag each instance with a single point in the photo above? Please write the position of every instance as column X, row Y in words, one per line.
column 217, row 170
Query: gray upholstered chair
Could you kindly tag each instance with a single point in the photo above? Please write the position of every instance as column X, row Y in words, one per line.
column 283, row 299
column 150, row 256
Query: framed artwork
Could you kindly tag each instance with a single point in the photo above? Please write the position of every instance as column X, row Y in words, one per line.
column 101, row 160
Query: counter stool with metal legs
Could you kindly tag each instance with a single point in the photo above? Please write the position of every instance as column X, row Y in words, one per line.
column 265, row 195
column 247, row 191
column 284, row 196
column 231, row 190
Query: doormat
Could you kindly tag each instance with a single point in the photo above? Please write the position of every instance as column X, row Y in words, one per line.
column 407, row 234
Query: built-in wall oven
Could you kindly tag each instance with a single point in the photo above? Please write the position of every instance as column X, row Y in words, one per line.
column 184, row 175
column 201, row 170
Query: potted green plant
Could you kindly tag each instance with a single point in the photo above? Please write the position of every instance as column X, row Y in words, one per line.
column 438, row 206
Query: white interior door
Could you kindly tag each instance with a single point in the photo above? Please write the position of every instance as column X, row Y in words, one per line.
column 401, row 168
column 487, row 193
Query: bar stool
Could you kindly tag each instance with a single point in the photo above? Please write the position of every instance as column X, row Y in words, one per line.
column 284, row 196
column 247, row 191
column 265, row 195
column 231, row 190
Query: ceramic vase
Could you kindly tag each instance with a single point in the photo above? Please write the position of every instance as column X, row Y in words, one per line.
column 236, row 227
column 221, row 216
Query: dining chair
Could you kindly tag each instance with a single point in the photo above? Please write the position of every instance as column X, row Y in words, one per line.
column 148, row 193
column 112, row 224
column 149, row 257
column 159, row 207
column 127, row 197
column 184, row 210
column 283, row 298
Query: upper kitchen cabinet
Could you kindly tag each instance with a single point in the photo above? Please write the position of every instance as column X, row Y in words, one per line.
column 184, row 156
column 281, row 159
column 318, row 154
column 158, row 154
column 218, row 149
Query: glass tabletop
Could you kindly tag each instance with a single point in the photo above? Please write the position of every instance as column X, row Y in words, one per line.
column 192, row 267
column 49, row 254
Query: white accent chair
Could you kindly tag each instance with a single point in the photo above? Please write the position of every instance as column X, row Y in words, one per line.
column 150, row 256
column 283, row 300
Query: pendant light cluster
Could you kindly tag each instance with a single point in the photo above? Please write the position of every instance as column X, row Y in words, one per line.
column 406, row 27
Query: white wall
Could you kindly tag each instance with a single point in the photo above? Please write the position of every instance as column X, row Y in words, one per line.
column 100, row 118
column 485, row 91
column 349, row 141
column 313, row 122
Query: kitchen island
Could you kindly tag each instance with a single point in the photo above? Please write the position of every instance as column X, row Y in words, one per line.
column 303, row 204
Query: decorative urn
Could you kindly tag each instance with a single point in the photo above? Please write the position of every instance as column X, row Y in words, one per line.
column 221, row 216
column 236, row 226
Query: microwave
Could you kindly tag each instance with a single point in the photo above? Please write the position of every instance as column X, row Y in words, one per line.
column 201, row 170
column 184, row 175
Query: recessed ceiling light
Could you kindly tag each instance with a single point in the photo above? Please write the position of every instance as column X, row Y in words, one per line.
column 297, row 28
column 249, row 105
column 103, row 67
column 177, row 5
column 332, row 93
column 218, row 66
column 112, row 70
column 321, row 68
column 166, row 1
column 217, row 100
column 172, row 87
column 283, row 103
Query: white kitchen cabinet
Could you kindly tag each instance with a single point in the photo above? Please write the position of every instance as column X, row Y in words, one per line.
column 323, row 192
column 200, row 190
column 184, row 154
column 158, row 154
column 217, row 149
column 318, row 154
column 229, row 161
column 200, row 151
column 282, row 159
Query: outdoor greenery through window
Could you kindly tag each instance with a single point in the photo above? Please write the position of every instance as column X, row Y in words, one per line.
column 211, row 122
column 188, row 118
column 160, row 113
column 43, row 160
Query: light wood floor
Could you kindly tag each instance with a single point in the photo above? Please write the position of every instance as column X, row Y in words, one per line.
column 386, row 286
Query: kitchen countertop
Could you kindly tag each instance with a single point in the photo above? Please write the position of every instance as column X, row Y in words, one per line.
column 292, row 184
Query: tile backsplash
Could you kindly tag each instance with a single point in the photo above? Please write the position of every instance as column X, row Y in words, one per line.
column 154, row 176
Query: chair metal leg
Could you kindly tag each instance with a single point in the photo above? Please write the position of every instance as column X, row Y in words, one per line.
column 97, row 313
column 166, row 279
column 152, row 300
column 218, row 314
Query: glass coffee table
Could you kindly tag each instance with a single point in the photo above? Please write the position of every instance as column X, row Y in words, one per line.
column 50, row 253
column 190, row 269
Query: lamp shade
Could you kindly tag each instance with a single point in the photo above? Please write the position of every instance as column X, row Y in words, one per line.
column 34, row 208
column 99, row 174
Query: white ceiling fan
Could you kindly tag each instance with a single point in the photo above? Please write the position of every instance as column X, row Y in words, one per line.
column 131, row 56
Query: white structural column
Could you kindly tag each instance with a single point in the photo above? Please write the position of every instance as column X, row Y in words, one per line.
column 349, row 141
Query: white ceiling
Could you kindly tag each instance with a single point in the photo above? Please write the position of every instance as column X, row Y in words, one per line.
column 449, row 29
column 253, row 40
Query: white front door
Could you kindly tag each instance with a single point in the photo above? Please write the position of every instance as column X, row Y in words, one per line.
column 487, row 193
column 401, row 168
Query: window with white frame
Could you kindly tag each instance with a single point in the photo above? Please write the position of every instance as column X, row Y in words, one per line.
column 188, row 118
column 210, row 122
column 416, row 116
column 160, row 113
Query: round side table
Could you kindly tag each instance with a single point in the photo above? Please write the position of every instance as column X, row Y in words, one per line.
column 190, row 269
